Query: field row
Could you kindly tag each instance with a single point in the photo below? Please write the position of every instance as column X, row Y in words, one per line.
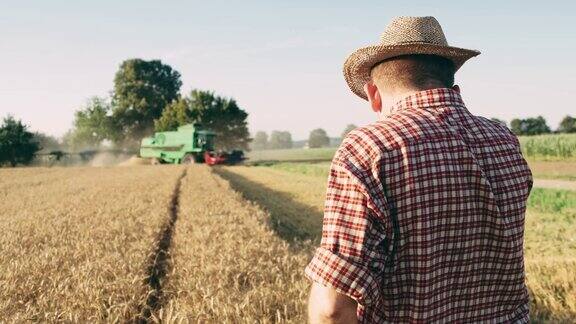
column 75, row 241
column 228, row 267
column 122, row 244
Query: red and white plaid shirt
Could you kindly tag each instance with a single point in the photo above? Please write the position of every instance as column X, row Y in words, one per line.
column 424, row 217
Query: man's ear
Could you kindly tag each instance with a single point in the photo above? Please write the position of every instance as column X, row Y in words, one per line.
column 456, row 88
column 373, row 96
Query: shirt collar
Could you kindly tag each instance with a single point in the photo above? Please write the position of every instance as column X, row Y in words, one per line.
column 429, row 98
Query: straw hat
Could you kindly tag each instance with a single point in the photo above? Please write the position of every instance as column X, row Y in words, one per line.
column 403, row 36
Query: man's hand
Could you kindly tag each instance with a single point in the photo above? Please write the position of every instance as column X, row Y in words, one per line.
column 328, row 306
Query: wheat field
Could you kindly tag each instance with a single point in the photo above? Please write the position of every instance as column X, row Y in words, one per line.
column 141, row 244
column 228, row 267
column 173, row 244
column 75, row 241
column 550, row 237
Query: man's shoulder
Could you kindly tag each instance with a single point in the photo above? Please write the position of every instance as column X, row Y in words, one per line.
column 389, row 134
column 496, row 130
column 366, row 144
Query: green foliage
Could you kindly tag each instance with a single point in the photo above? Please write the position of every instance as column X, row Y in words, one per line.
column 348, row 129
column 219, row 114
column 529, row 126
column 47, row 143
column 567, row 125
column 176, row 114
column 17, row 144
column 92, row 124
column 320, row 169
column 260, row 141
column 555, row 201
column 552, row 147
column 541, row 147
column 142, row 89
column 318, row 138
column 551, row 223
column 280, row 140
column 299, row 154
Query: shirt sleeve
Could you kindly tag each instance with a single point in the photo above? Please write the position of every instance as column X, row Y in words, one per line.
column 350, row 236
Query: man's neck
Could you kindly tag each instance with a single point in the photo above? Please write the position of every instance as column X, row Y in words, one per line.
column 391, row 98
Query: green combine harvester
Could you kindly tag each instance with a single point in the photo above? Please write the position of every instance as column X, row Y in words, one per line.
column 189, row 144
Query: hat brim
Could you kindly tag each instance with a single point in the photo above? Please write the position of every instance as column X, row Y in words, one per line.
column 359, row 64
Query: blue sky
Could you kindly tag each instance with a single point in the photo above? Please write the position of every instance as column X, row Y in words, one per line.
column 282, row 61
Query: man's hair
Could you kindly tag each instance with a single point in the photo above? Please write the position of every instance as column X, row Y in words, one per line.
column 416, row 71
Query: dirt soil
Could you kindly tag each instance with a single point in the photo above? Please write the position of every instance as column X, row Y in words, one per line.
column 555, row 184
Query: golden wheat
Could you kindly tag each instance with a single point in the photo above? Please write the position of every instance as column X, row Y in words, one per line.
column 228, row 267
column 81, row 244
column 549, row 242
column 75, row 241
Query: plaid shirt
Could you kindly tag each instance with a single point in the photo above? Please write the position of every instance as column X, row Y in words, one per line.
column 424, row 217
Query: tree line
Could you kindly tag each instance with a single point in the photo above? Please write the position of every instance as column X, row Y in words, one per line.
column 101, row 119
column 283, row 139
column 319, row 138
column 146, row 98
column 538, row 126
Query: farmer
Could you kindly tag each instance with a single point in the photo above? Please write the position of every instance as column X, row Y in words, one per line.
column 424, row 213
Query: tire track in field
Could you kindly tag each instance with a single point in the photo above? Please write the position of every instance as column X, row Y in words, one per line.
column 158, row 265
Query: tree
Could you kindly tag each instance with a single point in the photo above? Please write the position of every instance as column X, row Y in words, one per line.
column 93, row 124
column 280, row 140
column 529, row 126
column 500, row 121
column 219, row 114
column 567, row 125
column 517, row 126
column 347, row 130
column 46, row 143
column 260, row 141
column 142, row 89
column 318, row 138
column 176, row 114
column 17, row 145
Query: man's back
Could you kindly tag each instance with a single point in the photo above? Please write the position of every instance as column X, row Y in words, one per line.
column 424, row 216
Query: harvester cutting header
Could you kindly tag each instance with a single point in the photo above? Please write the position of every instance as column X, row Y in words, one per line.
column 189, row 144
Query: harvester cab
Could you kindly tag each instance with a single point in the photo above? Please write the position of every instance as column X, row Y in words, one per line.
column 189, row 144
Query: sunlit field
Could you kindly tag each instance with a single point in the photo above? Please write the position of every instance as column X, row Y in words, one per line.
column 125, row 244
column 76, row 242
column 553, row 147
column 199, row 244
column 300, row 154
column 556, row 147
column 167, row 161
column 293, row 194
column 228, row 266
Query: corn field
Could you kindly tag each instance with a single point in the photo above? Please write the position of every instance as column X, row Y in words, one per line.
column 552, row 147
